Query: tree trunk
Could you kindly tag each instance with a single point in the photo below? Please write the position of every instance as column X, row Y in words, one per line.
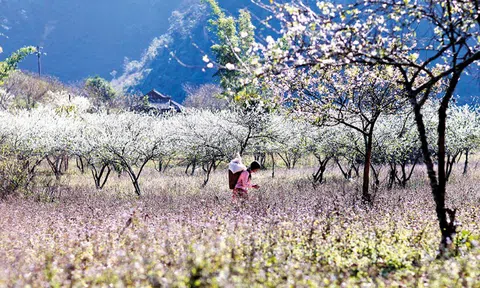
column 344, row 173
column 447, row 228
column 160, row 166
column 294, row 161
column 286, row 160
column 56, row 166
column 366, row 197
column 353, row 168
column 260, row 158
column 209, row 170
column 376, row 175
column 194, row 166
column 165, row 167
column 451, row 160
column 406, row 176
column 465, row 167
column 135, row 176
column 391, row 175
column 263, row 159
column 106, row 178
column 98, row 175
column 216, row 164
column 318, row 176
column 137, row 187
column 243, row 145
column 80, row 164
column 65, row 163
column 273, row 164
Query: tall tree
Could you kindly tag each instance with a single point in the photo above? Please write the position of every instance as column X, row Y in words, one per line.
column 352, row 96
column 11, row 63
column 232, row 51
column 427, row 42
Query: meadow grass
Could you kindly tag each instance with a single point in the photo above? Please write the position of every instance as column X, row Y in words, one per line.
column 290, row 234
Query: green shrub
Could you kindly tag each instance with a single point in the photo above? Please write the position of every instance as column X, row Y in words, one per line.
column 14, row 176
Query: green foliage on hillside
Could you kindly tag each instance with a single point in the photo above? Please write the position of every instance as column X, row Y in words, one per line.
column 11, row 63
column 100, row 89
column 235, row 38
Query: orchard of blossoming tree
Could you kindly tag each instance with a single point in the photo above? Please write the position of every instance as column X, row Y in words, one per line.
column 421, row 48
column 349, row 109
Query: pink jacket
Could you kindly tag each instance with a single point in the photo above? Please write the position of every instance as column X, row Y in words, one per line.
column 244, row 182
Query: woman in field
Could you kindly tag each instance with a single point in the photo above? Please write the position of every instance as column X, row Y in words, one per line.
column 244, row 182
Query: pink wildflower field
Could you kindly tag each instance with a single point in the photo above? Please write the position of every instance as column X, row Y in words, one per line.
column 290, row 234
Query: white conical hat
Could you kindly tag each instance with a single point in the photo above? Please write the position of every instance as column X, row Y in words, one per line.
column 236, row 165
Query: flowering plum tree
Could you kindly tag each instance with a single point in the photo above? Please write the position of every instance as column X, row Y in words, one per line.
column 462, row 135
column 398, row 140
column 89, row 147
column 254, row 126
column 26, row 139
column 354, row 96
column 206, row 137
column 322, row 144
column 291, row 139
column 55, row 138
column 383, row 33
column 129, row 140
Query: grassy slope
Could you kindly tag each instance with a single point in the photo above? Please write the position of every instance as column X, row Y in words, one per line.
column 289, row 234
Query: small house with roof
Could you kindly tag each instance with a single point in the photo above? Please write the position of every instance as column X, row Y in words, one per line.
column 162, row 103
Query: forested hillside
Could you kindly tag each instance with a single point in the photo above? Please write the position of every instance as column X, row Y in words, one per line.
column 82, row 38
column 135, row 42
column 175, row 58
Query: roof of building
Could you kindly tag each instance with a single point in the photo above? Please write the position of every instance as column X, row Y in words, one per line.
column 163, row 102
column 155, row 96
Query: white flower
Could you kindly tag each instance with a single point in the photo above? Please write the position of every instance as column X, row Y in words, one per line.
column 230, row 66
column 210, row 65
column 270, row 40
column 258, row 71
column 414, row 56
column 243, row 34
column 206, row 59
